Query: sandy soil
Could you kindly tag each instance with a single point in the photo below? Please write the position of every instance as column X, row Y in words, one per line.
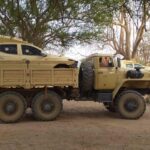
column 81, row 126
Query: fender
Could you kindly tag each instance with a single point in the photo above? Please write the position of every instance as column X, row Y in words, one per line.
column 132, row 83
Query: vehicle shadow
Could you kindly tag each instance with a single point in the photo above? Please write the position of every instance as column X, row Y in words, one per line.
column 94, row 114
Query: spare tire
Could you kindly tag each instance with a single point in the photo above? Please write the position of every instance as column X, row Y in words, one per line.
column 86, row 77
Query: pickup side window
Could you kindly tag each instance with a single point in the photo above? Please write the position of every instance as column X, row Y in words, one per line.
column 8, row 48
column 30, row 50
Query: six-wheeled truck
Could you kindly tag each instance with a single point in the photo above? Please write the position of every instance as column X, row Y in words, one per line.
column 29, row 78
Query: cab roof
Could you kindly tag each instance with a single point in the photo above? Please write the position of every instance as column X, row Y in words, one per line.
column 7, row 39
column 98, row 55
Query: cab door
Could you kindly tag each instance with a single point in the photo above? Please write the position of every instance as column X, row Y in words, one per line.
column 106, row 75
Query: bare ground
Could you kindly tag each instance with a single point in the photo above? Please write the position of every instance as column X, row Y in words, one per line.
column 81, row 126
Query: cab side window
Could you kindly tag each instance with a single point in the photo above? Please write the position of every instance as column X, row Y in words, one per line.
column 106, row 61
column 29, row 50
column 8, row 48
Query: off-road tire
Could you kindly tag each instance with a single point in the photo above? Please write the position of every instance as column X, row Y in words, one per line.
column 53, row 100
column 129, row 99
column 86, row 77
column 110, row 107
column 18, row 103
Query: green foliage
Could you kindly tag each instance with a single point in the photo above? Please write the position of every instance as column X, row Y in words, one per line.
column 54, row 22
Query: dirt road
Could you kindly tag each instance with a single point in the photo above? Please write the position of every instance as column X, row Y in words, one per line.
column 81, row 126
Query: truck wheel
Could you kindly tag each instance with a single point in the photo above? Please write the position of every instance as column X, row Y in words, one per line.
column 110, row 107
column 131, row 105
column 12, row 107
column 46, row 107
column 86, row 77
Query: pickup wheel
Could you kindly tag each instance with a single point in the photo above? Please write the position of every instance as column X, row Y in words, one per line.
column 12, row 107
column 46, row 106
column 131, row 105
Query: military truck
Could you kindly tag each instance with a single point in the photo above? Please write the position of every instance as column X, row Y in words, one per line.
column 31, row 79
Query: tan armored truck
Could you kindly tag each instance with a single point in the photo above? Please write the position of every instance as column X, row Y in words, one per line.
column 29, row 78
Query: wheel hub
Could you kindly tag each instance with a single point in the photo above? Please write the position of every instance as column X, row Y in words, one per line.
column 10, row 108
column 131, row 105
column 47, row 106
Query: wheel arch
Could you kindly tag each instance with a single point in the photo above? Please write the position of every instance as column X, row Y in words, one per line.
column 132, row 84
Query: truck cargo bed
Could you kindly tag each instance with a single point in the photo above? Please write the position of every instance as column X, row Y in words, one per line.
column 33, row 74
